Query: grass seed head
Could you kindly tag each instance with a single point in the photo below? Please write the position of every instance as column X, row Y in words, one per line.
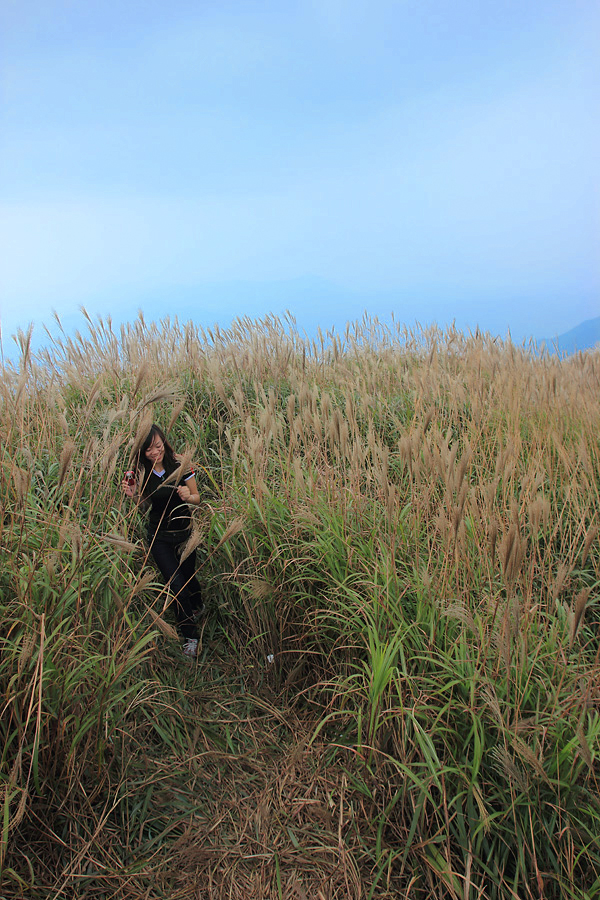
column 21, row 480
column 141, row 377
column 164, row 627
column 590, row 537
column 578, row 612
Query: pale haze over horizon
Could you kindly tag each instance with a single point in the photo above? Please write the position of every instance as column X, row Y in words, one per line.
column 434, row 160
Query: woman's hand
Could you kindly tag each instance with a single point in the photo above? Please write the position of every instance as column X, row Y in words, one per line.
column 128, row 489
column 128, row 485
column 188, row 492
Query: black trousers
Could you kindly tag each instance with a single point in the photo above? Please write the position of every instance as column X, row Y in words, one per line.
column 180, row 578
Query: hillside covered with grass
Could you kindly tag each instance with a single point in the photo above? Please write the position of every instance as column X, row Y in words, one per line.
column 406, row 522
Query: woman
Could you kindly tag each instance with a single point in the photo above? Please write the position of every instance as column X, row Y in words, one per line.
column 169, row 526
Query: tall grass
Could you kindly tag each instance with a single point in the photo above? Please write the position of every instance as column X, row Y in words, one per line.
column 407, row 521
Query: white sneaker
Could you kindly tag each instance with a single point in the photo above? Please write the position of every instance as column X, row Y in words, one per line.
column 190, row 647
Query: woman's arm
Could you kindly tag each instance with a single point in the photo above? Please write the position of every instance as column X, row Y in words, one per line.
column 188, row 492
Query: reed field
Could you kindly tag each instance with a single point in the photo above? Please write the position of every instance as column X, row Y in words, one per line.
column 406, row 522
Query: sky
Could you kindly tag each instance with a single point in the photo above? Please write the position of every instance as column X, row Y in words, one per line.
column 432, row 160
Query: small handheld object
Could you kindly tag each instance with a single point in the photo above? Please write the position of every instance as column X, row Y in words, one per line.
column 129, row 478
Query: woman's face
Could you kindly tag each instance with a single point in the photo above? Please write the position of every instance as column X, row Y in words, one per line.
column 155, row 452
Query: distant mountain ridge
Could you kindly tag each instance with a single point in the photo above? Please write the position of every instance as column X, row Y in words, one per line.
column 584, row 336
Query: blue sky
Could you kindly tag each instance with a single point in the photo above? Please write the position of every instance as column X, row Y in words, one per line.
column 208, row 160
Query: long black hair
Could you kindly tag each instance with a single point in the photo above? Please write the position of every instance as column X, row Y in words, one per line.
column 144, row 465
